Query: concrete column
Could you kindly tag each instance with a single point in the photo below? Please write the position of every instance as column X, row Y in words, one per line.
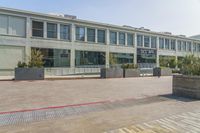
column 27, row 54
column 157, row 55
column 58, row 31
column 85, row 34
column 143, row 41
column 149, row 41
column 107, row 37
column 176, row 46
column 72, row 58
column 28, row 27
column 45, row 29
column 176, row 59
column 135, row 50
column 96, row 36
column 73, row 33
column 126, row 41
column 107, row 59
column 117, row 38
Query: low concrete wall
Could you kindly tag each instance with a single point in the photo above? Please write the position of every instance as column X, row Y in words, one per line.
column 186, row 86
column 162, row 71
column 111, row 73
column 29, row 73
column 131, row 73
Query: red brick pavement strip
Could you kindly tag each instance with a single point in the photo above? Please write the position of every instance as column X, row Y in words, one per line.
column 64, row 106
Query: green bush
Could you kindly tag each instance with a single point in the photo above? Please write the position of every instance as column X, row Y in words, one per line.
column 190, row 65
column 129, row 66
column 36, row 60
column 167, row 61
column 21, row 64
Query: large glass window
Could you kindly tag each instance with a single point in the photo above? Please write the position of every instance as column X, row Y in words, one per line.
column 80, row 33
column 166, row 43
column 173, row 44
column 101, row 36
column 140, row 40
column 130, row 39
column 64, row 32
column 161, row 43
column 121, row 38
column 37, row 29
column 146, row 55
column 153, row 42
column 198, row 47
column 113, row 37
column 3, row 24
column 194, row 47
column 55, row 57
column 179, row 46
column 10, row 25
column 51, row 30
column 189, row 46
column 184, row 46
column 90, row 35
column 120, row 58
column 146, row 41
column 89, row 58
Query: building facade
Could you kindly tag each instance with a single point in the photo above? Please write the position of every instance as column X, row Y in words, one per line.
column 71, row 45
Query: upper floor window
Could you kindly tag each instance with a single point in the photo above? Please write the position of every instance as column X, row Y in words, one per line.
column 198, row 47
column 113, row 37
column 184, row 47
column 51, row 30
column 146, row 41
column 195, row 47
column 173, row 44
column 189, row 46
column 166, row 43
column 90, row 35
column 153, row 42
column 122, row 38
column 130, row 39
column 11, row 25
column 179, row 45
column 101, row 36
column 140, row 40
column 64, row 32
column 37, row 29
column 80, row 33
column 161, row 43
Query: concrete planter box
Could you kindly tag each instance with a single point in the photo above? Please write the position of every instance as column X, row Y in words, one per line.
column 162, row 71
column 131, row 73
column 111, row 73
column 186, row 86
column 29, row 73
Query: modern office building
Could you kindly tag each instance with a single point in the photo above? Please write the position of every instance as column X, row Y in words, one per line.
column 71, row 45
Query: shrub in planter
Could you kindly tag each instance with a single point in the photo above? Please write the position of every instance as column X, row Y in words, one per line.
column 130, row 70
column 188, row 84
column 31, row 71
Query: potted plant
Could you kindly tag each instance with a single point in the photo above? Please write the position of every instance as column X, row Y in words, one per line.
column 114, row 71
column 188, row 84
column 33, row 70
column 130, row 70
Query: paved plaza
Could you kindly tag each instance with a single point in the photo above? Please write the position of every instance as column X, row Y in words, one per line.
column 133, row 105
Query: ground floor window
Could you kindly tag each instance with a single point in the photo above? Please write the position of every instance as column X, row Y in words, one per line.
column 55, row 57
column 146, row 55
column 120, row 58
column 89, row 58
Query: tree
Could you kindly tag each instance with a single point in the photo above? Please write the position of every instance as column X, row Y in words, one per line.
column 36, row 59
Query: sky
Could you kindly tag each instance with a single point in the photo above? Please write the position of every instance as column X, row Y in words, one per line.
column 180, row 17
